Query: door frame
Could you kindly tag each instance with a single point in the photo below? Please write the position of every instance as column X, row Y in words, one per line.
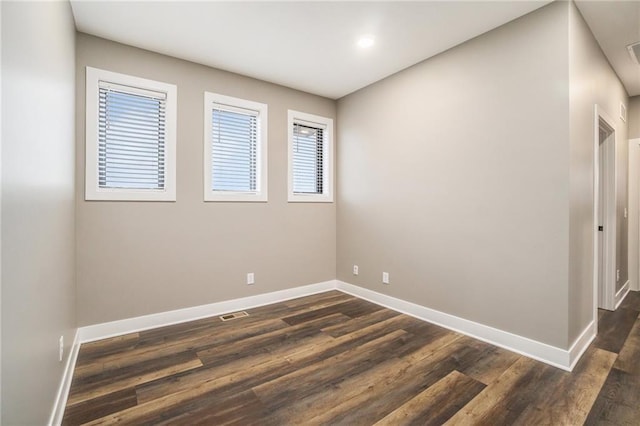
column 607, row 293
column 634, row 285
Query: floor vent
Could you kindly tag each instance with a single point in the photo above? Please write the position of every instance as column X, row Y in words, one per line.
column 233, row 315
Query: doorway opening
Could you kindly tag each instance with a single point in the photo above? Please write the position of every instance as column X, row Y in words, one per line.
column 604, row 213
column 633, row 217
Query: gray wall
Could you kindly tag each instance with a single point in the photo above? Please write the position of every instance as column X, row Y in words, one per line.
column 38, row 142
column 634, row 117
column 453, row 176
column 593, row 81
column 137, row 258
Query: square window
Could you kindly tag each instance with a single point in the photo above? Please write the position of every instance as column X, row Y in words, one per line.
column 130, row 138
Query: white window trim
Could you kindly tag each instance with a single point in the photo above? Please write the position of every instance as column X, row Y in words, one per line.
column 261, row 193
column 92, row 190
column 327, row 184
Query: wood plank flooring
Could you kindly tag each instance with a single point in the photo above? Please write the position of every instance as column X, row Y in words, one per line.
column 334, row 359
column 618, row 402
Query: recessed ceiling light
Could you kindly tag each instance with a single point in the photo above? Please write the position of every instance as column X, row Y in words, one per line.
column 366, row 41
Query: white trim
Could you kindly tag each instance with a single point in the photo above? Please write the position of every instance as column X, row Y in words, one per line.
column 557, row 357
column 581, row 344
column 131, row 325
column 596, row 213
column 1, row 210
column 635, row 286
column 65, row 384
column 621, row 294
column 605, row 297
column 92, row 192
column 243, row 106
column 327, row 172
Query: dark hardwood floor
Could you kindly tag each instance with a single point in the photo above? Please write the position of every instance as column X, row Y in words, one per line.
column 335, row 359
column 618, row 402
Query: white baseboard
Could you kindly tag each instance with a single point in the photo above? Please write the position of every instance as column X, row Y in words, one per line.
column 621, row 294
column 561, row 358
column 557, row 357
column 581, row 344
column 146, row 322
column 65, row 384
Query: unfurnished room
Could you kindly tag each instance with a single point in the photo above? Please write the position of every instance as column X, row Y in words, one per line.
column 320, row 213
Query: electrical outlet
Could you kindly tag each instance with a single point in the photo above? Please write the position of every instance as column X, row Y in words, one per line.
column 385, row 278
column 251, row 279
column 355, row 269
column 625, row 212
column 617, row 275
column 60, row 348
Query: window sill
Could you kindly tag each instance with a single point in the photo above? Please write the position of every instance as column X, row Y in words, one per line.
column 293, row 198
column 237, row 197
column 130, row 195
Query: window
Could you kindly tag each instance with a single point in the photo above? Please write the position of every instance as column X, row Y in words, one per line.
column 310, row 158
column 130, row 138
column 235, row 149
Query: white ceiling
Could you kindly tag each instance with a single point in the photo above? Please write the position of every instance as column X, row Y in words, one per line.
column 616, row 24
column 310, row 46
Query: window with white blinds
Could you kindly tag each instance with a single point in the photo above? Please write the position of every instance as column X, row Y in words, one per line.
column 235, row 149
column 130, row 138
column 310, row 158
column 234, row 139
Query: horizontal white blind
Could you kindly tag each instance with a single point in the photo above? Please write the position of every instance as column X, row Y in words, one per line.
column 234, row 138
column 308, row 159
column 131, row 138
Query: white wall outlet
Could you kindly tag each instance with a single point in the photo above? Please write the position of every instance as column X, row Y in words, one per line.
column 251, row 279
column 625, row 212
column 617, row 275
column 60, row 348
column 355, row 269
column 385, row 278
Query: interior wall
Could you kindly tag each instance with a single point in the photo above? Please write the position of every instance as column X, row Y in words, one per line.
column 593, row 81
column 38, row 243
column 137, row 258
column 453, row 176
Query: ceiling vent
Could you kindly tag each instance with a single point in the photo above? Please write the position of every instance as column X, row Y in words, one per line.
column 634, row 51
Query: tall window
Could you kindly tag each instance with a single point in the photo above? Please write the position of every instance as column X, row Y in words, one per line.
column 130, row 140
column 235, row 149
column 310, row 158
